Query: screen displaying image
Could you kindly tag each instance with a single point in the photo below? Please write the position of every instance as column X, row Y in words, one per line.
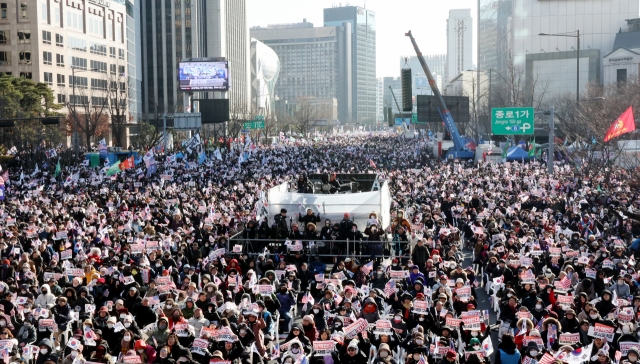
column 204, row 76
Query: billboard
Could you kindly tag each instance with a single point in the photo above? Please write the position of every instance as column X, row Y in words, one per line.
column 428, row 110
column 204, row 76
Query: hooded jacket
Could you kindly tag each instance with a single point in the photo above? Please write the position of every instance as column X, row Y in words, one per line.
column 45, row 300
column 371, row 317
column 49, row 356
column 159, row 335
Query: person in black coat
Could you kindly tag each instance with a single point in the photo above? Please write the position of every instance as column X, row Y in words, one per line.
column 46, row 352
column 144, row 314
column 131, row 298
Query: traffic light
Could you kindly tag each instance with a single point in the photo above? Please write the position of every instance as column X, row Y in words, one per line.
column 51, row 121
column 7, row 124
column 407, row 104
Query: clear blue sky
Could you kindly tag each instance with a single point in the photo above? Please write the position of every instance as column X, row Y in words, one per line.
column 427, row 19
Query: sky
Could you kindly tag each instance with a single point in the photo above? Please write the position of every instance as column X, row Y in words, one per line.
column 427, row 20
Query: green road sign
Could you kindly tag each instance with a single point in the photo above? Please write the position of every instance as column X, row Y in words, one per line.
column 512, row 121
column 254, row 124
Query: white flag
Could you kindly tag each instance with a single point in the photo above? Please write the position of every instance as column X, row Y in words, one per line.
column 487, row 346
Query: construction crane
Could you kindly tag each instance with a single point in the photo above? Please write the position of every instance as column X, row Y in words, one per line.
column 459, row 149
column 398, row 106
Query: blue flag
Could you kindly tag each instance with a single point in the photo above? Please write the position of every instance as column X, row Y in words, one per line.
column 201, row 158
column 179, row 155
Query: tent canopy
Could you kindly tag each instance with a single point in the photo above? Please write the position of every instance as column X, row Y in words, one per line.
column 516, row 153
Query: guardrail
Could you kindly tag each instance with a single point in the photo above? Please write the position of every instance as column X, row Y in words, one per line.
column 320, row 248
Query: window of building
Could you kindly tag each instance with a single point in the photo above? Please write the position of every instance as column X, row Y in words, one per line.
column 4, row 37
column 60, row 80
column 121, row 70
column 3, row 10
column 48, row 78
column 120, row 53
column 46, row 37
column 98, row 84
column 109, row 34
column 27, row 75
column 25, row 57
column 60, row 60
column 23, row 10
column 97, row 48
column 24, row 36
column 5, row 58
column 78, row 99
column 75, row 19
column 62, row 99
column 95, row 25
column 47, row 58
column 56, row 16
column 97, row 66
column 80, row 82
column 119, row 33
column 112, row 52
column 44, row 13
column 79, row 63
column 621, row 75
column 59, row 40
column 112, row 69
column 77, row 44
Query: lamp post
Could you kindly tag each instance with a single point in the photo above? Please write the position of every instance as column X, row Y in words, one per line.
column 75, row 139
column 577, row 36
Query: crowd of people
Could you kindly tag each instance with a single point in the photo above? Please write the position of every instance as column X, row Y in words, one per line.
column 137, row 267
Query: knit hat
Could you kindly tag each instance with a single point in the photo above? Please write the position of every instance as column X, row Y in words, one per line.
column 308, row 318
column 353, row 344
column 217, row 354
column 474, row 341
column 451, row 354
column 384, row 346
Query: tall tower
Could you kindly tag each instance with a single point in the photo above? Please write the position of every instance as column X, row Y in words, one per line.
column 459, row 43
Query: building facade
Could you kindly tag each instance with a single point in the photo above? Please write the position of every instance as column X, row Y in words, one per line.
column 363, row 28
column 50, row 41
column 459, row 43
column 315, row 62
column 437, row 64
column 623, row 62
column 508, row 36
column 179, row 29
column 380, row 100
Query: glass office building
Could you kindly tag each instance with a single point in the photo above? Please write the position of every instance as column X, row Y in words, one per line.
column 363, row 25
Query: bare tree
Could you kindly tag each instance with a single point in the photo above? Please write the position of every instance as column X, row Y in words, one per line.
column 119, row 86
column 150, row 129
column 583, row 126
column 305, row 115
column 89, row 110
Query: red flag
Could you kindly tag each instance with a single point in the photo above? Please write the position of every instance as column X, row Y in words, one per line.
column 373, row 165
column 128, row 163
column 624, row 124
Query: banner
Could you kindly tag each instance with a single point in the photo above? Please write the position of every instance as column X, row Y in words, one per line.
column 602, row 331
column 420, row 307
column 453, row 322
column 352, row 330
column 535, row 339
column 464, row 293
column 45, row 324
column 398, row 274
column 471, row 323
column 569, row 339
column 265, row 289
column 199, row 346
column 321, row 348
column 74, row 272
column 626, row 345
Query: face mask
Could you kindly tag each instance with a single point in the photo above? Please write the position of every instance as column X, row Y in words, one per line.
column 474, row 333
column 477, row 347
column 419, row 342
column 74, row 353
column 533, row 352
column 127, row 338
column 162, row 326
column 110, row 326
column 593, row 316
column 44, row 350
column 416, row 357
column 168, row 306
column 127, row 324
column 295, row 351
column 384, row 354
column 158, row 265
column 397, row 318
column 604, row 255
column 620, row 281
column 421, row 319
column 632, row 359
column 538, row 307
column 315, row 310
column 509, row 295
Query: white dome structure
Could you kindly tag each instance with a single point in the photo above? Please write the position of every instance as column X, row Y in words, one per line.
column 265, row 69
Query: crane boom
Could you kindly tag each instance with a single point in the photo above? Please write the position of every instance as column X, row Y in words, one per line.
column 459, row 149
column 397, row 105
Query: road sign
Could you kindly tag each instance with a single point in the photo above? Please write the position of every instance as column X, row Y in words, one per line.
column 254, row 124
column 512, row 121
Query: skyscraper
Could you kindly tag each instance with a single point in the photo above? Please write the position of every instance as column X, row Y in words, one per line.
column 363, row 25
column 177, row 29
column 459, row 43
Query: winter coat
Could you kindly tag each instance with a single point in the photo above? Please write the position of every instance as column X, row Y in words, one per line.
column 46, row 300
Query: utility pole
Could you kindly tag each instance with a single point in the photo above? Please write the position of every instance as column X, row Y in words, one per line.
column 552, row 143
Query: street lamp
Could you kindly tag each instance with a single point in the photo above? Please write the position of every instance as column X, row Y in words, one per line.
column 76, row 141
column 577, row 35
